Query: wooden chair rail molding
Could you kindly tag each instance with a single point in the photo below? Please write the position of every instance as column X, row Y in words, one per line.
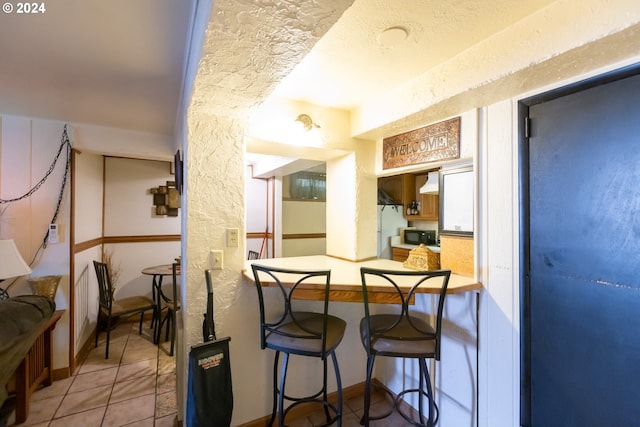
column 83, row 246
column 304, row 236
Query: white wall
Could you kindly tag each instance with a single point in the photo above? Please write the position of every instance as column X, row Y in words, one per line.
column 129, row 209
column 89, row 192
column 86, row 303
column 88, row 196
column 303, row 217
column 27, row 150
column 256, row 192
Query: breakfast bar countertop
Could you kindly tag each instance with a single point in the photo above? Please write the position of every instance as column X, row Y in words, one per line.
column 345, row 277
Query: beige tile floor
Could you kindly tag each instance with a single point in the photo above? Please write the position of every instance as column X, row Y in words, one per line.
column 352, row 413
column 134, row 387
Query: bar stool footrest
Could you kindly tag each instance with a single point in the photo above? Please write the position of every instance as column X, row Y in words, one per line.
column 406, row 417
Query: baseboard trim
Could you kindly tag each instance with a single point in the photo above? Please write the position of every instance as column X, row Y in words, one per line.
column 304, row 410
column 61, row 374
column 88, row 345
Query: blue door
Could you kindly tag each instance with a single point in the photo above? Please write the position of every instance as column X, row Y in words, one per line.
column 581, row 257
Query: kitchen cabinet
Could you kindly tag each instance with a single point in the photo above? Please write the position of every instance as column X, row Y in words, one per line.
column 429, row 207
column 405, row 188
column 399, row 254
column 429, row 203
column 395, row 186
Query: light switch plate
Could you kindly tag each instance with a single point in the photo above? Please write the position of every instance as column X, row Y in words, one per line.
column 216, row 259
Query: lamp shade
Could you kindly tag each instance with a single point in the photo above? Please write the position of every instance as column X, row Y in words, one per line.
column 11, row 262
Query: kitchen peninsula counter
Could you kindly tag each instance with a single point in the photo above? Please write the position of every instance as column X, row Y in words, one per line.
column 345, row 277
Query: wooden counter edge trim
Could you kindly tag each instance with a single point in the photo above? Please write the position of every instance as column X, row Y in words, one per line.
column 349, row 294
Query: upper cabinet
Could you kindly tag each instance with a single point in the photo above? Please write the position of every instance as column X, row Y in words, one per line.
column 429, row 203
column 405, row 189
column 393, row 190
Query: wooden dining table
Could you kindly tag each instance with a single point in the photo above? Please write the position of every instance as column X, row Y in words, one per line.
column 158, row 272
column 346, row 283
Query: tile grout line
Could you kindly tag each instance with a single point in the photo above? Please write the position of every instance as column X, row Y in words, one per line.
column 126, row 340
column 104, row 416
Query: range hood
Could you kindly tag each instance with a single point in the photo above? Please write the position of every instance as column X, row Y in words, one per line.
column 432, row 185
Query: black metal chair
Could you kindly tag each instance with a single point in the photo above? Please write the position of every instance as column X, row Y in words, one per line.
column 253, row 255
column 406, row 333
column 111, row 308
column 300, row 333
column 172, row 305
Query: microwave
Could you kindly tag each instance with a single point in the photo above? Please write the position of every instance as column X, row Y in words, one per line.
column 415, row 237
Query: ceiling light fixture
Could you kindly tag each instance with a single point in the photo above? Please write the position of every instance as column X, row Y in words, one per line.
column 307, row 122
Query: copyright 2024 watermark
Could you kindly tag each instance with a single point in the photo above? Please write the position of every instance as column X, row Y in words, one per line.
column 24, row 8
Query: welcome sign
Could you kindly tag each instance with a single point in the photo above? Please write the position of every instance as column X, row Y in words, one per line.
column 440, row 141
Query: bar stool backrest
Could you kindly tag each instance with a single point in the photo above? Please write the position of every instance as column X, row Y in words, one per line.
column 278, row 318
column 407, row 323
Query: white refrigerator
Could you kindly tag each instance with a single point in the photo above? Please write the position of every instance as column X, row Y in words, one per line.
column 390, row 222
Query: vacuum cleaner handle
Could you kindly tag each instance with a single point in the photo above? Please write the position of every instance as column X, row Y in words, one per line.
column 208, row 325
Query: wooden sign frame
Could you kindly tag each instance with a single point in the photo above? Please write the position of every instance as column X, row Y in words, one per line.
column 436, row 142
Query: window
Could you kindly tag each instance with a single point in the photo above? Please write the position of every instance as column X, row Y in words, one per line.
column 308, row 186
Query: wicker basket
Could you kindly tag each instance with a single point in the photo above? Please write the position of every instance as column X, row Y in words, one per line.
column 422, row 258
column 45, row 286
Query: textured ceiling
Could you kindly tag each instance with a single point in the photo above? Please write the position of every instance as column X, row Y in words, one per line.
column 354, row 61
column 116, row 63
column 121, row 63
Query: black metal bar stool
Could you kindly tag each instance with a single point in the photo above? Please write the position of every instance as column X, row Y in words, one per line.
column 301, row 333
column 405, row 333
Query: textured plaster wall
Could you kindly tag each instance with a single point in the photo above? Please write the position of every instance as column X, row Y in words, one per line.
column 247, row 50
